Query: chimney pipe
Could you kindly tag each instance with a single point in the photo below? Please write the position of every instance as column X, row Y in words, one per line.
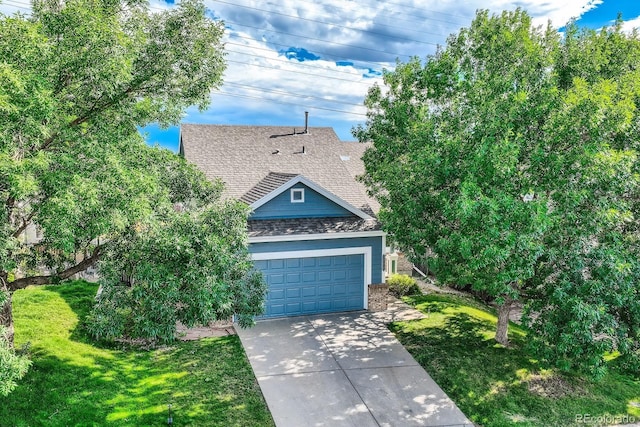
column 306, row 122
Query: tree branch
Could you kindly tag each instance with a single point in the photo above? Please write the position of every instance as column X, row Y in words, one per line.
column 9, row 205
column 65, row 274
column 93, row 111
column 25, row 223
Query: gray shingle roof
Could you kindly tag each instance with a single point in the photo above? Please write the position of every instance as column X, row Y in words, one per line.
column 269, row 183
column 248, row 158
column 295, row 226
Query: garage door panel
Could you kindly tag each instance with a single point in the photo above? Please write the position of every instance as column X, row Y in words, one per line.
column 323, row 262
column 340, row 304
column 275, row 279
column 313, row 285
column 324, row 276
column 276, row 264
column 293, row 293
column 276, row 294
column 324, row 305
column 293, row 263
column 324, row 290
column 354, row 259
column 340, row 260
column 293, row 277
column 353, row 289
column 355, row 273
column 339, row 290
column 276, row 309
column 339, row 275
column 293, row 307
column 309, row 291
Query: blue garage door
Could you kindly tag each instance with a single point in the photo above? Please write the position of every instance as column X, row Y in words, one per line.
column 300, row 286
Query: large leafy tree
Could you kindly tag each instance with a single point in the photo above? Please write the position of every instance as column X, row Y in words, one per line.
column 586, row 292
column 512, row 155
column 77, row 80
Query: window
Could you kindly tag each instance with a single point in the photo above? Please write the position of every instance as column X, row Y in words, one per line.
column 297, row 195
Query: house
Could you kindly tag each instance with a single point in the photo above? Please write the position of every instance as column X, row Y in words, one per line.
column 312, row 231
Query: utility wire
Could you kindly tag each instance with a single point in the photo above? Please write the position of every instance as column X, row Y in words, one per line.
column 235, row 95
column 346, row 27
column 297, row 72
column 322, row 40
column 297, row 64
column 319, row 52
column 292, row 94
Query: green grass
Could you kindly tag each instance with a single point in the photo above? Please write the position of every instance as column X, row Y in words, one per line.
column 74, row 382
column 498, row 386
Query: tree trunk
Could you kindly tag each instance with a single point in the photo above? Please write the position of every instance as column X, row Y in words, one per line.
column 45, row 280
column 503, row 321
column 6, row 314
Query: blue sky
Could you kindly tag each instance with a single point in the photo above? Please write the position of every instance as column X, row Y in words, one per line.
column 286, row 57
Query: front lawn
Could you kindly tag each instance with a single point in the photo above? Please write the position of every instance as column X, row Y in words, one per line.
column 74, row 382
column 498, row 386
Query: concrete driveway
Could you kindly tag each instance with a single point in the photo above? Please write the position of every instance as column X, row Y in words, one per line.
column 343, row 370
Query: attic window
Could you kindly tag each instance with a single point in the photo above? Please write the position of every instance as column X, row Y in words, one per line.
column 345, row 158
column 297, row 195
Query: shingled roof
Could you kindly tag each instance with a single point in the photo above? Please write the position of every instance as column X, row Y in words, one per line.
column 252, row 159
column 268, row 184
column 276, row 227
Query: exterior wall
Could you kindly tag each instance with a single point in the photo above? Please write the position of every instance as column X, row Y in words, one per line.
column 375, row 243
column 315, row 205
column 404, row 265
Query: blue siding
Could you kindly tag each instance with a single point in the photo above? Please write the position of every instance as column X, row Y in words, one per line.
column 306, row 245
column 315, row 206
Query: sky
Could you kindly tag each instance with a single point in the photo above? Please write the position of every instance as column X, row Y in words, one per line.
column 286, row 57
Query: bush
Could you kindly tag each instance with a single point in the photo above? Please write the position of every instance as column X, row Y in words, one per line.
column 13, row 365
column 401, row 285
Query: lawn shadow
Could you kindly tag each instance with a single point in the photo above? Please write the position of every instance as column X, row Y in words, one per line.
column 493, row 384
column 80, row 297
column 75, row 382
column 135, row 388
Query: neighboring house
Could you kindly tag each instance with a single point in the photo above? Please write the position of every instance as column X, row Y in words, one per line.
column 312, row 231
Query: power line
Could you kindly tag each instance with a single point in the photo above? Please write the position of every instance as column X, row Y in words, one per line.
column 296, row 72
column 298, row 64
column 16, row 4
column 315, row 51
column 292, row 94
column 321, row 40
column 277, row 101
column 426, row 10
column 386, row 3
column 334, row 24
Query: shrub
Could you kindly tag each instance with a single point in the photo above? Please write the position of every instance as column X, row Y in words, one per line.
column 402, row 284
column 13, row 365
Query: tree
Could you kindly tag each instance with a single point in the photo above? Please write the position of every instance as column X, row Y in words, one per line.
column 450, row 139
column 517, row 166
column 588, row 283
column 188, row 263
column 77, row 80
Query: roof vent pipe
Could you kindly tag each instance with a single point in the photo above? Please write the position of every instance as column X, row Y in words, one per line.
column 306, row 122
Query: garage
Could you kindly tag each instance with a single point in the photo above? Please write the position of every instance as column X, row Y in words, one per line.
column 303, row 285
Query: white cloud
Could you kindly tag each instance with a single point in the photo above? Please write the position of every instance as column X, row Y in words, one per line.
column 629, row 25
column 260, row 84
column 370, row 34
